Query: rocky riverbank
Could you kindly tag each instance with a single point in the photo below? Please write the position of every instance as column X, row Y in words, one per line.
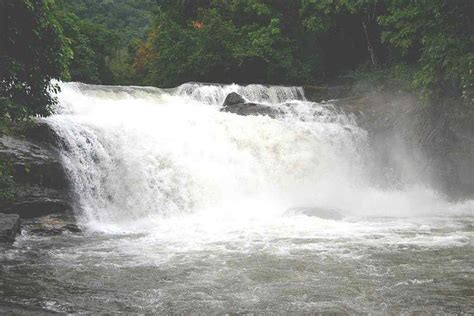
column 41, row 185
column 31, row 151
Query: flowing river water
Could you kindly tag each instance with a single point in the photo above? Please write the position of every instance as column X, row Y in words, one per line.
column 188, row 209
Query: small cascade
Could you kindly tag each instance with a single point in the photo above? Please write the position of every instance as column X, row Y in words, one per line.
column 215, row 94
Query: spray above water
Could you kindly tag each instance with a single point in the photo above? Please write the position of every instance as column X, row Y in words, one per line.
column 135, row 153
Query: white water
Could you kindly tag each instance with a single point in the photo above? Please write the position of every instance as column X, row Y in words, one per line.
column 185, row 210
column 141, row 157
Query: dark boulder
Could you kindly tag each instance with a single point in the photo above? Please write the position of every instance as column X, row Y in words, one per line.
column 9, row 227
column 40, row 180
column 233, row 98
column 234, row 103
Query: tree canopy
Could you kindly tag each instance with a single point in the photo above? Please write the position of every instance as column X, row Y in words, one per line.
column 33, row 52
column 310, row 41
column 424, row 45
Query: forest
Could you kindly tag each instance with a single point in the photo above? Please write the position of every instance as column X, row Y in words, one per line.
column 422, row 46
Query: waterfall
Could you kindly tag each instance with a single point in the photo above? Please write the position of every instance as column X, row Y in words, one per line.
column 134, row 153
column 215, row 94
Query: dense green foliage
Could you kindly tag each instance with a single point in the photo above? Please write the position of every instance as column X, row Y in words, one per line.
column 91, row 45
column 224, row 41
column 436, row 37
column 33, row 51
column 423, row 45
column 100, row 32
column 129, row 19
column 427, row 44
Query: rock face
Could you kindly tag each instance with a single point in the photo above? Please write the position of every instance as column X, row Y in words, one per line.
column 9, row 227
column 412, row 142
column 51, row 225
column 235, row 103
column 41, row 183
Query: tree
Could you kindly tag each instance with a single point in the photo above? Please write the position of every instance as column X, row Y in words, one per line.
column 92, row 45
column 33, row 52
column 100, row 32
column 83, row 66
column 224, row 41
column 436, row 36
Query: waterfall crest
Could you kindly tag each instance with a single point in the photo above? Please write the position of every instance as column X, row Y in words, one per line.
column 136, row 152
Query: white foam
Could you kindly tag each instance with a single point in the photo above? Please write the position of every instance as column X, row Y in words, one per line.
column 169, row 163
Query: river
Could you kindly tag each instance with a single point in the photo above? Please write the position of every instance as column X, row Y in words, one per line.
column 188, row 209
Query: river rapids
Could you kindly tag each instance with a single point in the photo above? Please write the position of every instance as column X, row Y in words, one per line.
column 189, row 209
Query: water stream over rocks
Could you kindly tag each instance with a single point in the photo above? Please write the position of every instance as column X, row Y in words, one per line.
column 186, row 208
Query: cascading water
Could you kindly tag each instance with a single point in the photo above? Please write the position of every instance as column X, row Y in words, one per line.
column 187, row 208
column 215, row 94
column 135, row 153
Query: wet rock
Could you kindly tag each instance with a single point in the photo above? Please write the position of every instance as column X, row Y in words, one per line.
column 51, row 225
column 33, row 162
column 233, row 98
column 9, row 227
column 40, row 132
column 415, row 143
column 252, row 109
column 33, row 201
column 234, row 103
column 315, row 212
column 40, row 181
